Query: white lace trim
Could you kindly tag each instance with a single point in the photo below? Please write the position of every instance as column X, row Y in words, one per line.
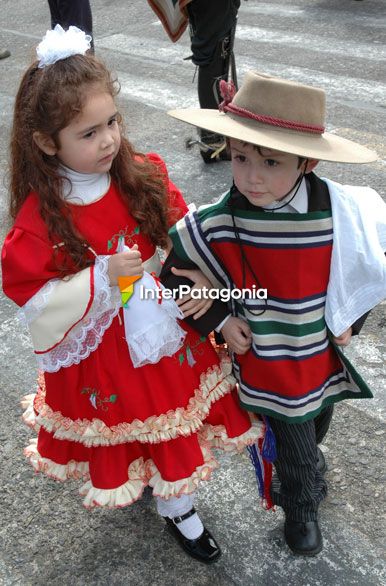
column 86, row 336
column 160, row 339
column 36, row 305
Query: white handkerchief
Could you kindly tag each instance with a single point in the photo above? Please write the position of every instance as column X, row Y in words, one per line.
column 151, row 327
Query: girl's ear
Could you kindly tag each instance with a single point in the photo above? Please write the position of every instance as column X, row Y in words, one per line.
column 311, row 164
column 45, row 143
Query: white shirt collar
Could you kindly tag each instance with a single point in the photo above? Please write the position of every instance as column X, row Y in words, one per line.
column 84, row 188
column 299, row 203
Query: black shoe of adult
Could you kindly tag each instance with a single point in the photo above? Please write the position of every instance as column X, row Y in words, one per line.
column 214, row 153
column 303, row 538
column 321, row 462
column 213, row 147
column 204, row 548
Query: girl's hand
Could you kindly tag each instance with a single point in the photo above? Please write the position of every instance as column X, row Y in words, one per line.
column 189, row 306
column 237, row 334
column 125, row 264
column 344, row 339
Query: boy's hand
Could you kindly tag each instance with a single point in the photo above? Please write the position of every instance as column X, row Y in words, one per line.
column 237, row 334
column 125, row 264
column 344, row 339
column 195, row 307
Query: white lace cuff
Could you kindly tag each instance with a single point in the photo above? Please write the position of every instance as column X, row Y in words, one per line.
column 87, row 334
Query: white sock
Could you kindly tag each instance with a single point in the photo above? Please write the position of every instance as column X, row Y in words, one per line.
column 190, row 528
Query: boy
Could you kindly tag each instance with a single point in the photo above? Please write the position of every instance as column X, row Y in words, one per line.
column 316, row 246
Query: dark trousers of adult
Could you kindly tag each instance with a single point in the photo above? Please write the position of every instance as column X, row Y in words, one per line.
column 301, row 486
column 71, row 13
column 211, row 24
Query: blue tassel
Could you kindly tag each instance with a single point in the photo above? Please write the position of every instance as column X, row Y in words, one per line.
column 268, row 451
column 258, row 466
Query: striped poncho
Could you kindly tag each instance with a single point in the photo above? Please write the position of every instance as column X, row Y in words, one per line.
column 292, row 370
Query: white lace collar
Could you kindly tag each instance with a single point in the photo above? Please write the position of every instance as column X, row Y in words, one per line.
column 84, row 188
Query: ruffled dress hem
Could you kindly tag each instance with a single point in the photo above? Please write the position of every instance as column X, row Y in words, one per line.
column 143, row 473
column 215, row 383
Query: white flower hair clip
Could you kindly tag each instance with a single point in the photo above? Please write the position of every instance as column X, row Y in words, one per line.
column 58, row 44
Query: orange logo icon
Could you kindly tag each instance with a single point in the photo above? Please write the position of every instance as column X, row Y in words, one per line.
column 126, row 287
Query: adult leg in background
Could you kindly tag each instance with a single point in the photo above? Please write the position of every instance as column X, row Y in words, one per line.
column 71, row 13
column 212, row 27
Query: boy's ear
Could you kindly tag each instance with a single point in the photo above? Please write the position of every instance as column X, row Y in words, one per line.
column 311, row 164
column 45, row 143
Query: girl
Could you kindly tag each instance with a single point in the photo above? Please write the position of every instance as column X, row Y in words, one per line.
column 77, row 189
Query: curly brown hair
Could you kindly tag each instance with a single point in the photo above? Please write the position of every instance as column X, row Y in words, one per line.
column 47, row 101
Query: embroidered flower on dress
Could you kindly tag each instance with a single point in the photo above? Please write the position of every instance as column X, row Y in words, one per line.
column 95, row 399
column 190, row 351
column 128, row 239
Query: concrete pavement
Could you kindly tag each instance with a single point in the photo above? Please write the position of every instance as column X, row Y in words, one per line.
column 46, row 535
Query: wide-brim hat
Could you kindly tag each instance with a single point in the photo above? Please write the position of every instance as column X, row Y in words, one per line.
column 278, row 114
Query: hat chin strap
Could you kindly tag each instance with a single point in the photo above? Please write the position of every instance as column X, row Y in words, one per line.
column 297, row 184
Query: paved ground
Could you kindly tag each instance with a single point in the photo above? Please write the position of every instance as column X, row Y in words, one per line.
column 46, row 535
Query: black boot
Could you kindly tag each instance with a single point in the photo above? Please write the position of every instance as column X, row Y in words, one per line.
column 204, row 548
column 213, row 147
column 303, row 538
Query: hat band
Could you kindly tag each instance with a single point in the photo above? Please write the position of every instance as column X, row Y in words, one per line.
column 271, row 120
column 228, row 90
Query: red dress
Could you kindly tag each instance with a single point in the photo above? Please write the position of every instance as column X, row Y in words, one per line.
column 98, row 418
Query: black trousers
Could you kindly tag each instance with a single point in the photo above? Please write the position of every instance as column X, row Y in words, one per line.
column 71, row 13
column 300, row 486
column 211, row 24
column 210, row 21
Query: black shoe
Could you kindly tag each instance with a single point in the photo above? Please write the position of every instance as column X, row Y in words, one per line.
column 204, row 548
column 321, row 462
column 303, row 538
column 215, row 152
column 213, row 147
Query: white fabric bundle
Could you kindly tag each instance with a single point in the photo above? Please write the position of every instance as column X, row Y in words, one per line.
column 358, row 265
column 151, row 328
